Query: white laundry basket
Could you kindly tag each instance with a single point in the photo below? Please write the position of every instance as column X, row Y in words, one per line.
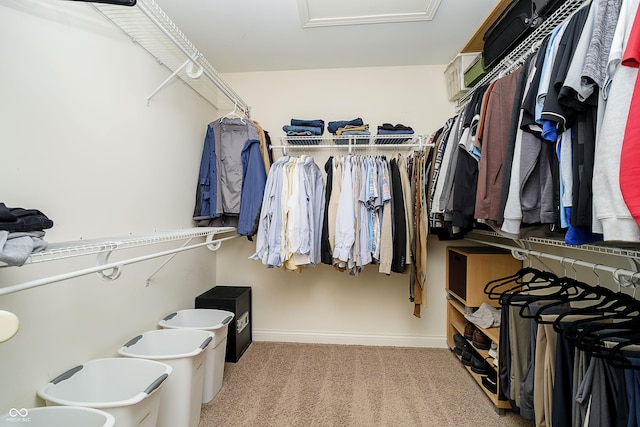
column 57, row 416
column 128, row 389
column 216, row 322
column 183, row 350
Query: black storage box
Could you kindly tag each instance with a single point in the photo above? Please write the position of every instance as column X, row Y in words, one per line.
column 236, row 299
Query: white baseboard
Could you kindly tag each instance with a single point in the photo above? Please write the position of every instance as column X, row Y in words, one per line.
column 350, row 339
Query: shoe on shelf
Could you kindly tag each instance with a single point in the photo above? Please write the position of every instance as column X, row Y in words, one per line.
column 461, row 344
column 479, row 366
column 469, row 329
column 480, row 340
column 467, row 357
column 490, row 383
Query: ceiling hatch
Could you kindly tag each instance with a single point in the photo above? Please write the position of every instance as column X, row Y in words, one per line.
column 327, row 13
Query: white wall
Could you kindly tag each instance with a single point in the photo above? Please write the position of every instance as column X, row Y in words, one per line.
column 322, row 305
column 79, row 143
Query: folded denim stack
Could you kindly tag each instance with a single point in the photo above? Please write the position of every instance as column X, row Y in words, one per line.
column 301, row 128
column 389, row 129
column 348, row 128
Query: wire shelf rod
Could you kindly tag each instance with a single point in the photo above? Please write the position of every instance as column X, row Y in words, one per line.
column 62, row 250
column 116, row 266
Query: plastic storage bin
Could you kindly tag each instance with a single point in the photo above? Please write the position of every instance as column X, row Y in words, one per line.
column 57, row 416
column 184, row 351
column 128, row 389
column 216, row 322
column 454, row 74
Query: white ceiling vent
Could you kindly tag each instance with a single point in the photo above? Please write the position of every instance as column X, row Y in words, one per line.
column 327, row 13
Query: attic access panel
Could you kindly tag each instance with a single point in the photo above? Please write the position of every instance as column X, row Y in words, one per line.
column 326, row 13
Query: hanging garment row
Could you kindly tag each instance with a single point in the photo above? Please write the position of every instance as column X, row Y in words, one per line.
column 236, row 158
column 540, row 150
column 364, row 216
column 569, row 353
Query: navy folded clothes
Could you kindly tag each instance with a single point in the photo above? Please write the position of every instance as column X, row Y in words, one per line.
column 332, row 127
column 25, row 220
column 397, row 127
column 385, row 133
column 316, row 123
column 394, row 132
column 314, row 130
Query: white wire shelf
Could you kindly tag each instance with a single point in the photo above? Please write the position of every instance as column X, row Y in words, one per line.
column 152, row 29
column 351, row 142
column 62, row 250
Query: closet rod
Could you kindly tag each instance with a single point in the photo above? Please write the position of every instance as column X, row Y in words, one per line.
column 619, row 274
column 115, row 266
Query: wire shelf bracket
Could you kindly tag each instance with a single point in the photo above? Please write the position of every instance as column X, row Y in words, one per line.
column 150, row 27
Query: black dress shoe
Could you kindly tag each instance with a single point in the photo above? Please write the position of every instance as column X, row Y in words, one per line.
column 490, row 383
column 467, row 357
column 460, row 344
column 479, row 365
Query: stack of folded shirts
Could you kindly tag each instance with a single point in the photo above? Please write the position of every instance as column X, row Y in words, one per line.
column 350, row 128
column 389, row 129
column 304, row 128
column 21, row 234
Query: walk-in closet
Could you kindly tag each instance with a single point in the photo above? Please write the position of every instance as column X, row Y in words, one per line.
column 389, row 232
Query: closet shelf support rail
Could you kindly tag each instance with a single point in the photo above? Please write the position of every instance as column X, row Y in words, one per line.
column 622, row 276
column 150, row 27
column 114, row 266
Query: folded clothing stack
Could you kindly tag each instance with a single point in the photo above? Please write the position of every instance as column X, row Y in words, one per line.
column 348, row 128
column 301, row 128
column 388, row 129
column 21, row 233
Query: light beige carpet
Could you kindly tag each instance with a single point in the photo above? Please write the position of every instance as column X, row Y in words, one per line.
column 284, row 384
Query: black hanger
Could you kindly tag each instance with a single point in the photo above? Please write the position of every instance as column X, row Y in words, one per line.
column 526, row 277
column 570, row 290
column 614, row 309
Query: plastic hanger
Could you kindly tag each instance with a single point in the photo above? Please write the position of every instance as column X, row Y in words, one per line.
column 234, row 113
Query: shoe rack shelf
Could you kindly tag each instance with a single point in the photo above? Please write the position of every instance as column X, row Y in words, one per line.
column 469, row 269
column 455, row 324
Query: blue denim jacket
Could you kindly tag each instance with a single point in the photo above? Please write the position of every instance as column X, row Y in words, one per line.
column 254, row 178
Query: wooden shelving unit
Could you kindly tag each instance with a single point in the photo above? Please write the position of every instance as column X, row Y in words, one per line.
column 468, row 270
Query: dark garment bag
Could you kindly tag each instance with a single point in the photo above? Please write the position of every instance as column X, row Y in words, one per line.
column 515, row 23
